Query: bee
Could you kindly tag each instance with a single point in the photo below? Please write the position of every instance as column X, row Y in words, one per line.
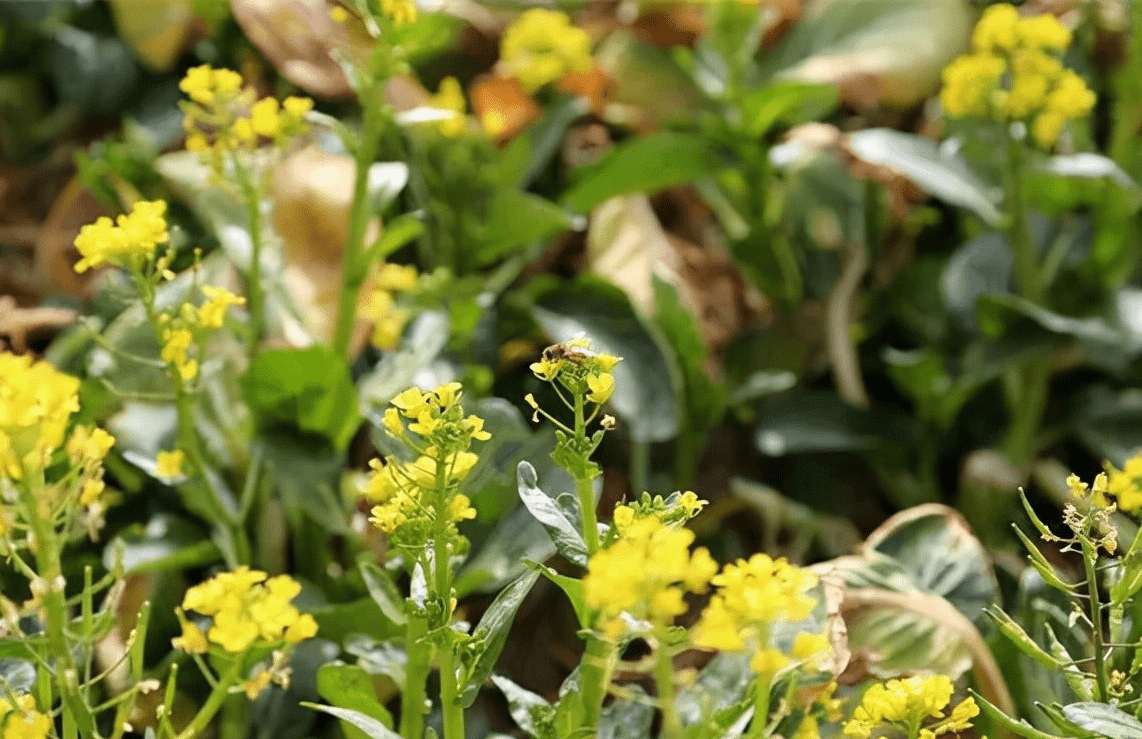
column 567, row 353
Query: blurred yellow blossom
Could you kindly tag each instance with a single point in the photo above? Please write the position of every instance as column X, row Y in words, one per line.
column 542, row 45
column 36, row 403
column 218, row 300
column 168, row 465
column 379, row 303
column 400, row 12
column 176, row 345
column 904, row 704
column 1014, row 73
column 244, row 606
column 1126, row 484
column 208, row 86
column 20, row 719
column 450, row 97
column 128, row 242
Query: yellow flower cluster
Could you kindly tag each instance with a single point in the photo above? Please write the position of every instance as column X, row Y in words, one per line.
column 222, row 116
column 36, row 402
column 542, row 45
column 677, row 508
column 1014, row 73
column 579, row 369
column 1125, row 484
column 19, row 719
column 168, row 465
column 752, row 595
column 415, row 497
column 87, row 447
column 646, row 573
column 128, row 242
column 400, row 12
column 907, row 703
column 244, row 607
column 380, row 303
column 180, row 329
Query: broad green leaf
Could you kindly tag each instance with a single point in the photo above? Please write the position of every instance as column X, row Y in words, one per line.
column 786, row 103
column 338, row 621
column 818, row 420
column 1088, row 165
column 165, row 543
column 563, row 531
column 1104, row 720
column 932, row 169
column 431, row 35
column 92, row 71
column 646, row 382
column 879, row 52
column 645, row 164
column 721, row 685
column 306, row 389
column 372, row 728
column 980, row 267
column 572, row 587
column 515, row 219
column 487, row 641
column 530, row 712
column 351, row 687
column 397, row 371
column 386, row 658
column 383, row 592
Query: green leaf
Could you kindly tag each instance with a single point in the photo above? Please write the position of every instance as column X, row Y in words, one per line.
column 530, row 712
column 721, row 685
column 372, row 728
column 1018, row 727
column 627, row 718
column 563, row 531
column 338, row 621
column 165, row 543
column 383, row 592
column 487, row 641
column 980, row 267
column 1017, row 636
column 430, row 35
column 645, row 164
column 1088, row 165
column 646, row 381
column 351, row 687
column 397, row 371
column 935, row 171
column 516, row 219
column 529, row 153
column 1103, row 720
column 786, row 103
column 818, row 420
column 307, row 389
column 572, row 587
column 398, row 232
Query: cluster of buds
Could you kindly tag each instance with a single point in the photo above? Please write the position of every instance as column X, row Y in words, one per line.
column 182, row 330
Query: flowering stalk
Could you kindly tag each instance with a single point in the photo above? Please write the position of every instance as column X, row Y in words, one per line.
column 254, row 288
column 664, row 682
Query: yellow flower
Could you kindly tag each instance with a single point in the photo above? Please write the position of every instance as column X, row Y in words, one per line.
column 192, row 639
column 905, row 703
column 393, row 422
column 411, row 402
column 542, row 45
column 450, row 97
column 1015, row 73
column 89, row 445
column 546, row 369
column 90, row 491
column 206, row 85
column 768, row 661
column 168, row 465
column 244, row 607
column 128, row 242
column 297, row 108
column 264, row 117
column 645, row 573
column 212, row 313
column 752, row 594
column 176, row 343
column 36, row 403
column 21, row 720
column 602, row 386
column 398, row 278
column 400, row 12
column 1126, row 484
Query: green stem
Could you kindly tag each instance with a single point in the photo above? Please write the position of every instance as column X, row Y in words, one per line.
column 449, row 689
column 596, row 668
column 416, row 675
column 254, row 288
column 760, row 708
column 664, row 681
column 1090, row 555
column 639, row 466
column 214, row 702
column 353, row 267
column 1026, row 261
column 48, row 553
column 1028, row 404
column 583, row 485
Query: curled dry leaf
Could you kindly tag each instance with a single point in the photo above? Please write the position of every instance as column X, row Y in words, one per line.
column 312, row 192
column 55, row 245
column 18, row 325
column 300, row 39
column 627, row 245
column 504, row 99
